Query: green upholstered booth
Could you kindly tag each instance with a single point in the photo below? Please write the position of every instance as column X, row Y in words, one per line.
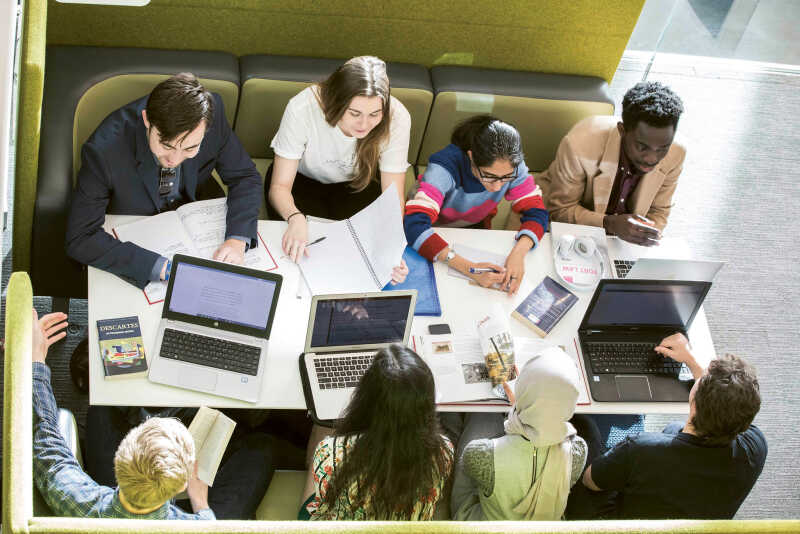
column 82, row 86
column 18, row 510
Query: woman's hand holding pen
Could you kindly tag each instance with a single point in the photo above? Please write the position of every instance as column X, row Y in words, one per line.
column 295, row 238
column 486, row 274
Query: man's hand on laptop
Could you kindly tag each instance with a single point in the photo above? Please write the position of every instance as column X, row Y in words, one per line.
column 632, row 228
column 677, row 347
column 231, row 251
column 46, row 331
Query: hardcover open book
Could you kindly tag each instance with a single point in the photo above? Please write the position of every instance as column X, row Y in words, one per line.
column 357, row 254
column 196, row 229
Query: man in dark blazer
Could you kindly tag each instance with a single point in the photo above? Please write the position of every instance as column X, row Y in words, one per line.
column 153, row 155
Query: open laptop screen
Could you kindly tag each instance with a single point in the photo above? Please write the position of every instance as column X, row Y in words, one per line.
column 645, row 303
column 221, row 295
column 342, row 322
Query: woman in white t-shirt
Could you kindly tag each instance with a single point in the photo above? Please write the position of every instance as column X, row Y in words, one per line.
column 333, row 140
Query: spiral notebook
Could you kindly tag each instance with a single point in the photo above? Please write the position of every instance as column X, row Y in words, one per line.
column 357, row 255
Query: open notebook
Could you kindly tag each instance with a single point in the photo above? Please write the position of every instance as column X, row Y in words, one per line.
column 357, row 254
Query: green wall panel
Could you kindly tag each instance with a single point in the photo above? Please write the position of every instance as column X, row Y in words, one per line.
column 572, row 37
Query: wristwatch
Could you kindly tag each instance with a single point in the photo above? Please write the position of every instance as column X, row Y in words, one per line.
column 450, row 256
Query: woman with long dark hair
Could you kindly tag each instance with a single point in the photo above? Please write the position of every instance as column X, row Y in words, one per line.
column 462, row 186
column 387, row 458
column 335, row 138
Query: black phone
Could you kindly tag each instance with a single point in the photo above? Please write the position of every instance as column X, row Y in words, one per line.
column 437, row 329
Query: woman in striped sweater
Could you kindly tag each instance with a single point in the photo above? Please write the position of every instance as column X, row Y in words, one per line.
column 462, row 186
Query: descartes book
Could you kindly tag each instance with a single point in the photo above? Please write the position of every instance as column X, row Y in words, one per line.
column 121, row 347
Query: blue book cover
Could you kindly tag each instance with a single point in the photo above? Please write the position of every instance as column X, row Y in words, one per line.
column 420, row 277
column 121, row 347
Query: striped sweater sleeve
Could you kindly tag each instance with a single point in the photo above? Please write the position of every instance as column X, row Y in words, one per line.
column 423, row 210
column 526, row 199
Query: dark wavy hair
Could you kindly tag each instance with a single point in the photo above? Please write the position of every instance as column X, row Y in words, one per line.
column 489, row 139
column 178, row 104
column 652, row 103
column 399, row 451
column 726, row 401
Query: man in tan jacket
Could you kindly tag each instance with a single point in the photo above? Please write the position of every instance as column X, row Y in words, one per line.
column 620, row 175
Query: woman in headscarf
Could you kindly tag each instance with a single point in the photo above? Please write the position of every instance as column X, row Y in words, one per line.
column 527, row 472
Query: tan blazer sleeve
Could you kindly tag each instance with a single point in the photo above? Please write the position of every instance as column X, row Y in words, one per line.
column 568, row 182
column 662, row 203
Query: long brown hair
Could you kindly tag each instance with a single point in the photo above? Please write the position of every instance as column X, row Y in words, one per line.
column 359, row 76
column 399, row 454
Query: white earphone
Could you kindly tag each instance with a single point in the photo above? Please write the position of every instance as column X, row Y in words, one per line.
column 585, row 248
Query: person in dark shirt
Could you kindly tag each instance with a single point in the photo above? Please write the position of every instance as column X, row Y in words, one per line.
column 703, row 469
column 151, row 156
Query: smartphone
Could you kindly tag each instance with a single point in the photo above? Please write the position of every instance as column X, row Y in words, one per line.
column 439, row 328
column 643, row 225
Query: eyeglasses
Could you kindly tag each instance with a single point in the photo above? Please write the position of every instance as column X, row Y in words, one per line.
column 491, row 178
column 166, row 179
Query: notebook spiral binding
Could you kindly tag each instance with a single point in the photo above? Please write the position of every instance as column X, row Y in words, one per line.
column 363, row 254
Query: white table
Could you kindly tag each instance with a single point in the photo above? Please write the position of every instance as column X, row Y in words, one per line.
column 111, row 297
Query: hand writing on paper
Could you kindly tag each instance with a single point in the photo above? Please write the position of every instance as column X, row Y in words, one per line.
column 231, row 251
column 489, row 278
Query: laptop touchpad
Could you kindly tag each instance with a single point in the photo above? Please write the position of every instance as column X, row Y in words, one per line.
column 198, row 379
column 633, row 388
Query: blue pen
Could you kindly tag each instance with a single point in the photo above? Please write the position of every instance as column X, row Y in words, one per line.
column 478, row 270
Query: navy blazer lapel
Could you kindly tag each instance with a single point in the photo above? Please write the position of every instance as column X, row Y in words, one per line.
column 146, row 166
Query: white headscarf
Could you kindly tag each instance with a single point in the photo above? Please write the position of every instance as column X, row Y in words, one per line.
column 546, row 392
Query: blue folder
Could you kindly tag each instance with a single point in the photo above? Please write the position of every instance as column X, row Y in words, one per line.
column 420, row 277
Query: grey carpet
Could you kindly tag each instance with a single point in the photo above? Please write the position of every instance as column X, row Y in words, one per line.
column 736, row 201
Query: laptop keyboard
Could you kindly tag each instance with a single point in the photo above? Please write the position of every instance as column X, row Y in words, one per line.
column 628, row 358
column 210, row 351
column 623, row 267
column 342, row 370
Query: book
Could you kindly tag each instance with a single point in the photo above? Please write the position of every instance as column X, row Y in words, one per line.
column 422, row 278
column 195, row 229
column 497, row 346
column 211, row 430
column 359, row 253
column 545, row 306
column 460, row 373
column 121, row 348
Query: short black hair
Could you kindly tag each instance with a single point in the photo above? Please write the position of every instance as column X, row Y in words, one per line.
column 726, row 401
column 178, row 105
column 653, row 103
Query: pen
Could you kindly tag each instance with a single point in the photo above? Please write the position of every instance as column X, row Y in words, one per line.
column 478, row 270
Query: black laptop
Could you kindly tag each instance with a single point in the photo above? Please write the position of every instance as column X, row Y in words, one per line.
column 625, row 320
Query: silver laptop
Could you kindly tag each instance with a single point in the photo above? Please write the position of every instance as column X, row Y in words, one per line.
column 215, row 327
column 344, row 333
column 623, row 255
column 668, row 269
